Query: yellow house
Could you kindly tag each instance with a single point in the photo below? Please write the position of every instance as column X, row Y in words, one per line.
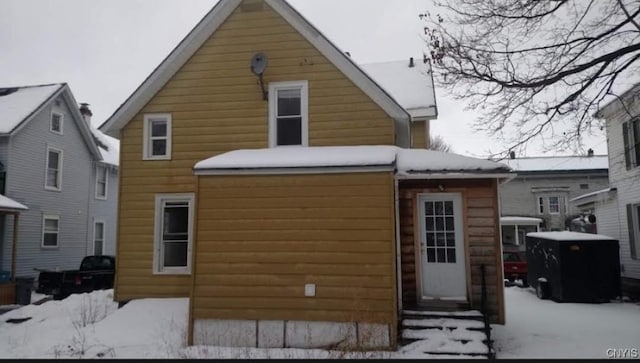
column 288, row 191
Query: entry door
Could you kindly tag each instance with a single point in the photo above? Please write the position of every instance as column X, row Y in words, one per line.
column 442, row 255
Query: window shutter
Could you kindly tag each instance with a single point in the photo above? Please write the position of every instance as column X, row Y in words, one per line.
column 631, row 226
column 627, row 148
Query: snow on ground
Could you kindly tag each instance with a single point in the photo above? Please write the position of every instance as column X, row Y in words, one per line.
column 545, row 329
column 90, row 326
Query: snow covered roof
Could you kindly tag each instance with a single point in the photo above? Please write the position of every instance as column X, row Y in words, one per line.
column 405, row 161
column 593, row 194
column 8, row 204
column 109, row 147
column 559, row 163
column 520, row 220
column 18, row 103
column 412, row 87
column 570, row 236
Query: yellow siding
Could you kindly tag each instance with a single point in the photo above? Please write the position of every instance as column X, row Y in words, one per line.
column 216, row 106
column 335, row 231
column 419, row 139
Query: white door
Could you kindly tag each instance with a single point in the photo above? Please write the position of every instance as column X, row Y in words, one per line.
column 442, row 255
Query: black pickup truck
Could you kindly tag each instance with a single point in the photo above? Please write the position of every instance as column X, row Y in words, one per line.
column 95, row 273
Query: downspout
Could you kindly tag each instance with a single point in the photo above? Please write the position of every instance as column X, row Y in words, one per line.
column 398, row 244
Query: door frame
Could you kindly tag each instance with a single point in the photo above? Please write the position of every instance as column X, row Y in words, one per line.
column 417, row 233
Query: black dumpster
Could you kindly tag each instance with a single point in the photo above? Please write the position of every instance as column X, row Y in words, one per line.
column 24, row 286
column 574, row 267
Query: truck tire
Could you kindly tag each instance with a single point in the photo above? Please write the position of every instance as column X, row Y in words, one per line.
column 525, row 282
column 542, row 290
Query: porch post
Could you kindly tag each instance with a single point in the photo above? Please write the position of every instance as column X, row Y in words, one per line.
column 517, row 235
column 14, row 245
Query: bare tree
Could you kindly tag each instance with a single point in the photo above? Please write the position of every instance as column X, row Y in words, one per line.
column 437, row 143
column 535, row 69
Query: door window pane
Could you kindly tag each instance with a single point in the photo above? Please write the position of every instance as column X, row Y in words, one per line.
column 440, row 232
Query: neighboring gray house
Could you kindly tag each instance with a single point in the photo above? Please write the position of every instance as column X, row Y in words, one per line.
column 539, row 196
column 64, row 170
column 617, row 206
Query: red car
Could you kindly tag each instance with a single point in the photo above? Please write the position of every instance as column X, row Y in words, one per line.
column 515, row 266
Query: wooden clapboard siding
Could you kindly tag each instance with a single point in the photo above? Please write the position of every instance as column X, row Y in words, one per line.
column 419, row 138
column 482, row 238
column 216, row 106
column 256, row 267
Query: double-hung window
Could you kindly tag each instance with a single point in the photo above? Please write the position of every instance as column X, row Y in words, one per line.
column 288, row 114
column 98, row 238
column 157, row 137
column 540, row 205
column 174, row 233
column 50, row 231
column 102, row 174
column 554, row 205
column 55, row 124
column 53, row 173
column 631, row 139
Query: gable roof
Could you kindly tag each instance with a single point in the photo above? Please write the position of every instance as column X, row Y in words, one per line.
column 627, row 98
column 559, row 163
column 408, row 82
column 208, row 26
column 19, row 105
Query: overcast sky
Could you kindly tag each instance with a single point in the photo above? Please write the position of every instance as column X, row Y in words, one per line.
column 104, row 49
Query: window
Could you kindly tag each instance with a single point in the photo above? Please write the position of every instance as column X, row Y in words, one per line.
column 584, row 186
column 540, row 205
column 50, row 231
column 174, row 233
column 157, row 137
column 631, row 138
column 55, row 124
column 288, row 114
column 53, row 177
column 102, row 174
column 633, row 224
column 98, row 238
column 554, row 205
column 440, row 232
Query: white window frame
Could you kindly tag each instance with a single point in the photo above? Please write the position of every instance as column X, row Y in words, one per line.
column 104, row 234
column 274, row 87
column 46, row 169
column 158, row 255
column 44, row 218
column 106, row 182
column 61, row 122
column 146, row 152
column 549, row 201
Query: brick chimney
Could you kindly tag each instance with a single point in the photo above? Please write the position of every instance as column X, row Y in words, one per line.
column 86, row 112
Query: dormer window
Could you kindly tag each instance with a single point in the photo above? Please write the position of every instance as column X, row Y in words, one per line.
column 55, row 125
column 288, row 114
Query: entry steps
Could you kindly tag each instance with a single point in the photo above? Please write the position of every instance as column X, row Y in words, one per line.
column 449, row 334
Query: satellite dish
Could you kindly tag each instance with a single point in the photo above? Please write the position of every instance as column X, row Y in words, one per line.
column 259, row 63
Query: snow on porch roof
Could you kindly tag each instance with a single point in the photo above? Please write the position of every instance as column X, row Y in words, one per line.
column 570, row 236
column 8, row 204
column 411, row 87
column 405, row 161
column 520, row 220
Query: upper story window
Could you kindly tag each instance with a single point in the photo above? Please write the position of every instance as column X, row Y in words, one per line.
column 554, row 205
column 631, row 138
column 102, row 175
column 157, row 137
column 55, row 124
column 53, row 174
column 50, row 231
column 288, row 114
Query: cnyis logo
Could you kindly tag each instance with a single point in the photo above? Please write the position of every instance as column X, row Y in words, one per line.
column 626, row 353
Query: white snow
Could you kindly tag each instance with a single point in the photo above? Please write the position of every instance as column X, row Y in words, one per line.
column 559, row 163
column 16, row 106
column 91, row 326
column 471, row 313
column 520, row 220
column 592, row 194
column 10, row 204
column 569, row 236
column 408, row 161
column 411, row 87
column 543, row 329
column 110, row 154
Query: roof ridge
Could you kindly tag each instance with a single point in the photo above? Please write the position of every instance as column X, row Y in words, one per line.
column 556, row 157
column 35, row 85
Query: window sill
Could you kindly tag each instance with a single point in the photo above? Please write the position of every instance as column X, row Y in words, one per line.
column 101, row 198
column 52, row 189
column 156, row 158
column 172, row 273
column 50, row 247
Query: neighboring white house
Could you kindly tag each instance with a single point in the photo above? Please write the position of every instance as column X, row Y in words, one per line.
column 617, row 208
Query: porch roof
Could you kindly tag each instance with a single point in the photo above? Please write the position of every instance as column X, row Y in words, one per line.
column 523, row 221
column 405, row 162
column 591, row 196
column 10, row 205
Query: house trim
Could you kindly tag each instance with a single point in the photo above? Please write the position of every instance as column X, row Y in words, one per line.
column 208, row 26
